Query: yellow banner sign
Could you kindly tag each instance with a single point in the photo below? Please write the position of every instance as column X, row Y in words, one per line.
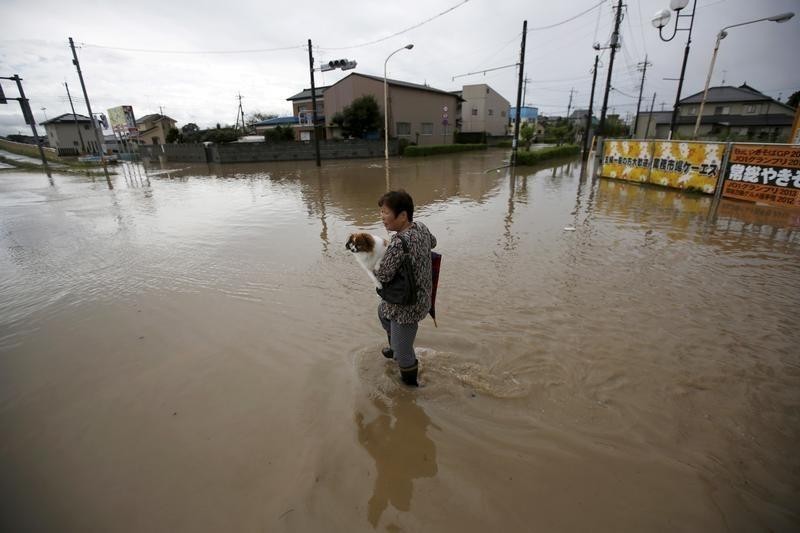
column 687, row 165
column 627, row 160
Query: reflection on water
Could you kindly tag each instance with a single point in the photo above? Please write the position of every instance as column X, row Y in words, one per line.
column 396, row 440
column 187, row 334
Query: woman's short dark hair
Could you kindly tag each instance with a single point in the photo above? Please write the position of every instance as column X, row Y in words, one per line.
column 398, row 201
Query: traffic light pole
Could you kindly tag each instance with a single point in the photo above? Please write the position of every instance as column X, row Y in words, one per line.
column 313, row 103
column 26, row 112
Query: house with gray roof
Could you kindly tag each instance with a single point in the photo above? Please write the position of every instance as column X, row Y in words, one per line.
column 71, row 134
column 730, row 113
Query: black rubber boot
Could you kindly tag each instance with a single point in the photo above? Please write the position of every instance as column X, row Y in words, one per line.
column 409, row 375
column 387, row 352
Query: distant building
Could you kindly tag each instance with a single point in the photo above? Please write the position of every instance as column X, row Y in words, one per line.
column 418, row 113
column 481, row 109
column 272, row 123
column 302, row 109
column 735, row 113
column 153, row 129
column 71, row 134
column 526, row 114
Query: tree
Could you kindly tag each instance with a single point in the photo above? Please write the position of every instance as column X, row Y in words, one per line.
column 279, row 134
column 258, row 116
column 794, row 99
column 359, row 118
column 220, row 135
column 526, row 133
column 173, row 135
column 190, row 128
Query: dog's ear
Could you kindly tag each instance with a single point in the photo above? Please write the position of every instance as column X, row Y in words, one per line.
column 350, row 240
column 364, row 242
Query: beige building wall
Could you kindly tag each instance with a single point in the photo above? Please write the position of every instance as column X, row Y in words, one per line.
column 484, row 109
column 65, row 135
column 155, row 132
column 416, row 112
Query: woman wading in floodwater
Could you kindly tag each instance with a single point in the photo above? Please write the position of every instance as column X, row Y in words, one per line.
column 401, row 321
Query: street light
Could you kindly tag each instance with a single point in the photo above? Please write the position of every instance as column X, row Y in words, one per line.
column 783, row 17
column 660, row 20
column 386, row 106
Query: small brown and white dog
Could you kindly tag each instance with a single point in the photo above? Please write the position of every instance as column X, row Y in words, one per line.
column 368, row 250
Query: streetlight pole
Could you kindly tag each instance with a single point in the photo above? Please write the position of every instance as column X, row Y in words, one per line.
column 660, row 20
column 386, row 106
column 783, row 17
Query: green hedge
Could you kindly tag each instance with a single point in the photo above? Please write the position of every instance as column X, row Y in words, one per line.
column 503, row 144
column 417, row 151
column 524, row 157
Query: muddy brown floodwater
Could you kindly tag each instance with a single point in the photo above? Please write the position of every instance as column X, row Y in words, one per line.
column 193, row 349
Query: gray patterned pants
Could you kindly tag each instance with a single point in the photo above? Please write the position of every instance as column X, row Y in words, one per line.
column 401, row 340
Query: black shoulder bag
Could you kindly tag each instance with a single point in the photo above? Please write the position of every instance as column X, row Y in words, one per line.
column 402, row 288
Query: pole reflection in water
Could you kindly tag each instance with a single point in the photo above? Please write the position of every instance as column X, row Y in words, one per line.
column 397, row 441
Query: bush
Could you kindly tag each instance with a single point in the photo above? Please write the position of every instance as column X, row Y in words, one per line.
column 417, row 151
column 503, row 144
column 525, row 157
column 478, row 137
column 279, row 134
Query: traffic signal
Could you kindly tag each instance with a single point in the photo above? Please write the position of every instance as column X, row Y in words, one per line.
column 344, row 64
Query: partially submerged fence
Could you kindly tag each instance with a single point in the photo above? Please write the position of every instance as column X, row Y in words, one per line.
column 763, row 173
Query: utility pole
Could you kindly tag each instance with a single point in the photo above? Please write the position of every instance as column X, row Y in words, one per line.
column 641, row 88
column 314, row 104
column 515, row 142
column 28, row 114
column 650, row 116
column 589, row 114
column 77, row 126
column 239, row 114
column 85, row 96
column 525, row 83
column 614, row 45
column 569, row 106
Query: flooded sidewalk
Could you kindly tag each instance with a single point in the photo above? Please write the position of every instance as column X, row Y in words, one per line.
column 191, row 348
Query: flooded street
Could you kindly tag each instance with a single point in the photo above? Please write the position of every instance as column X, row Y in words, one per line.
column 193, row 349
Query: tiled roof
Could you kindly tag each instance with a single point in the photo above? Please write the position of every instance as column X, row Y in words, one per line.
column 68, row 118
column 306, row 93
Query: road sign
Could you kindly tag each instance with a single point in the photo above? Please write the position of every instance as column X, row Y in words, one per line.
column 444, row 115
column 444, row 108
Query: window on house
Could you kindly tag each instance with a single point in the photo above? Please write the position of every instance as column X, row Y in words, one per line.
column 750, row 108
column 427, row 128
column 474, row 112
column 491, row 112
column 722, row 110
column 691, row 110
column 403, row 128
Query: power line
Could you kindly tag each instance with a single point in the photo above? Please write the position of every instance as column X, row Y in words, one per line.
column 193, row 52
column 415, row 26
column 540, row 28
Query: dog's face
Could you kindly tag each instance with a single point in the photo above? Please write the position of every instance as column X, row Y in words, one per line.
column 360, row 242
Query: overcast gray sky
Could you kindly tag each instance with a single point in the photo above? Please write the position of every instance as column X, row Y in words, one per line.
column 473, row 35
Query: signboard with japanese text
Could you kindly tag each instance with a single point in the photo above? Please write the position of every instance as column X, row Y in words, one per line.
column 764, row 173
column 627, row 160
column 687, row 165
column 122, row 120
